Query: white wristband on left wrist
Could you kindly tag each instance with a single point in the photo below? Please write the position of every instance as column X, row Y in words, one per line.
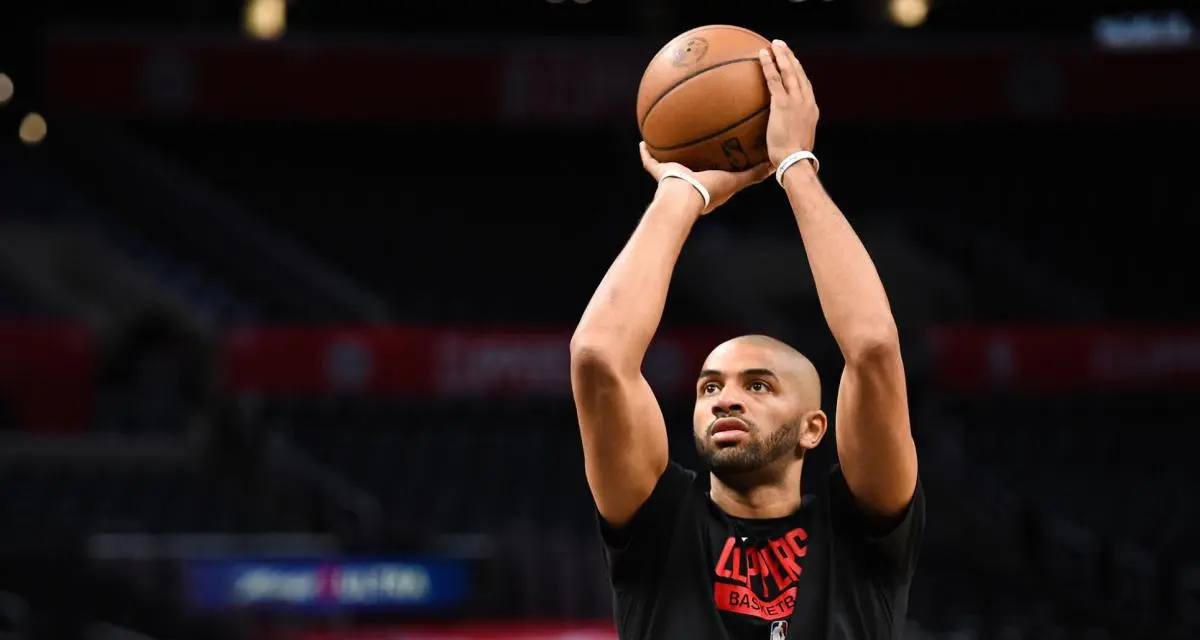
column 671, row 173
column 793, row 159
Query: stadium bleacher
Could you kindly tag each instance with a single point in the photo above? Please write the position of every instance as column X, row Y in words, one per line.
column 35, row 192
column 1117, row 463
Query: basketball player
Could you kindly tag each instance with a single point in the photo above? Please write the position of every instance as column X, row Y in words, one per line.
column 742, row 553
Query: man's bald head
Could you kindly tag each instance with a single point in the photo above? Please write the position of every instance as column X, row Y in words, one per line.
column 779, row 357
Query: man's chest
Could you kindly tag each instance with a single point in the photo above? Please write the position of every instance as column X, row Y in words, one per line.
column 758, row 576
column 764, row 585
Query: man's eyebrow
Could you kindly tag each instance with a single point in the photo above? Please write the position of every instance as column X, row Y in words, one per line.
column 748, row 373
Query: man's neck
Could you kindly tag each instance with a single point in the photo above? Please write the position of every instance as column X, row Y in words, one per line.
column 776, row 497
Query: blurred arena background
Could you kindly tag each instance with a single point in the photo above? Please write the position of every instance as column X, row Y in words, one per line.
column 286, row 289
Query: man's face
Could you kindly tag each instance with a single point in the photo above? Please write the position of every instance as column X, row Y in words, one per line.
column 746, row 416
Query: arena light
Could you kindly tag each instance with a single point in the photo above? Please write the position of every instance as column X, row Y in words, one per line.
column 33, row 129
column 265, row 19
column 6, row 88
column 908, row 13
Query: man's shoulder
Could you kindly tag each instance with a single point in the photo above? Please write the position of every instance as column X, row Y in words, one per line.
column 896, row 541
column 679, row 483
column 680, row 473
column 676, row 486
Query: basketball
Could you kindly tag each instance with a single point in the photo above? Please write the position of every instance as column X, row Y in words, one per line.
column 703, row 101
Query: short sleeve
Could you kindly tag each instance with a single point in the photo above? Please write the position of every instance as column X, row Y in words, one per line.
column 631, row 550
column 899, row 545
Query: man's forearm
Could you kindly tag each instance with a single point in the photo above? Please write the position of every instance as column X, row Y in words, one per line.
column 624, row 313
column 851, row 294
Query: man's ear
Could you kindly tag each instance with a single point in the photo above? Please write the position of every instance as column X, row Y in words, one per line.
column 813, row 425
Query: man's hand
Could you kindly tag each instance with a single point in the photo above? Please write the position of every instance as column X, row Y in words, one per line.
column 792, row 124
column 721, row 185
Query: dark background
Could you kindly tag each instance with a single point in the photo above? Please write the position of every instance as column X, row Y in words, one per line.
column 283, row 320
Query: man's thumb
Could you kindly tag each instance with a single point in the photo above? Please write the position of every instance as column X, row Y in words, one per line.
column 648, row 161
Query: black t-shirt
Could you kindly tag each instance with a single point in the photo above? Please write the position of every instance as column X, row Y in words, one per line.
column 682, row 568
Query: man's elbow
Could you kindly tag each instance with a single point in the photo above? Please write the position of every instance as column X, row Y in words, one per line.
column 588, row 352
column 595, row 358
column 873, row 345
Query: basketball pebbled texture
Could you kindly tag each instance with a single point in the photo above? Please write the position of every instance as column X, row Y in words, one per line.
column 703, row 101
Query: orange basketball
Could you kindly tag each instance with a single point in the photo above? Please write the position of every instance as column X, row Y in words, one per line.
column 703, row 101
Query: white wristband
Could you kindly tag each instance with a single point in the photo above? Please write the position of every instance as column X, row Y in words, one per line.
column 793, row 159
column 671, row 173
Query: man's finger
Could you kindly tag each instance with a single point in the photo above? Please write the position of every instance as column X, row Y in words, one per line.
column 805, row 83
column 784, row 62
column 648, row 161
column 771, row 72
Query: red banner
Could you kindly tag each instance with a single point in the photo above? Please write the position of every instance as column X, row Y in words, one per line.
column 478, row 631
column 231, row 77
column 46, row 374
column 590, row 81
column 46, row 369
column 437, row 361
column 1066, row 358
column 482, row 363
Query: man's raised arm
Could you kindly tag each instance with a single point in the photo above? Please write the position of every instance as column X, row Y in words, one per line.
column 621, row 424
column 874, row 438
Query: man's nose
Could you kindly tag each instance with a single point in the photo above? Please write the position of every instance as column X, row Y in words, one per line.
column 727, row 405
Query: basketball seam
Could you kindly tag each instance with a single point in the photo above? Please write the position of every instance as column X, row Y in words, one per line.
column 678, row 83
column 714, row 134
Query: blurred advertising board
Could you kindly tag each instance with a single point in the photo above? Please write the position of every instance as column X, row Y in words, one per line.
column 480, row 362
column 408, row 584
column 479, row 631
column 1064, row 359
column 47, row 369
column 589, row 82
column 446, row 362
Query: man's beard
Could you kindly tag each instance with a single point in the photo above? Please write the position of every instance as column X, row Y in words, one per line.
column 752, row 454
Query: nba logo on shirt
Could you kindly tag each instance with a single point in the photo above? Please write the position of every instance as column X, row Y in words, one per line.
column 779, row 630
